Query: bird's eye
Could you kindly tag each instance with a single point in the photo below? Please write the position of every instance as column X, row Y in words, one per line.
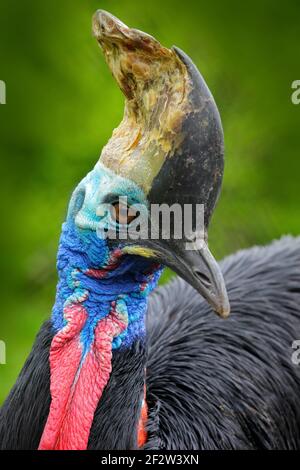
column 122, row 213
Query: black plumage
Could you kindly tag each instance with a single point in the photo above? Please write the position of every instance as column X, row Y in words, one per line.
column 211, row 383
column 229, row 384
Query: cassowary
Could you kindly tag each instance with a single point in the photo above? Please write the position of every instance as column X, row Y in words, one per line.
column 119, row 367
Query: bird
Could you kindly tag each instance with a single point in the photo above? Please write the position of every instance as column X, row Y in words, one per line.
column 123, row 363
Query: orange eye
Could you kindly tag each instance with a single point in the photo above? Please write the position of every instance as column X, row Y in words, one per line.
column 122, row 213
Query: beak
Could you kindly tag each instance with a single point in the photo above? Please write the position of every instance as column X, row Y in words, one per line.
column 200, row 269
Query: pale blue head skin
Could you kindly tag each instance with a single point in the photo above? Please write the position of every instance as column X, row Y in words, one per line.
column 101, row 186
column 81, row 249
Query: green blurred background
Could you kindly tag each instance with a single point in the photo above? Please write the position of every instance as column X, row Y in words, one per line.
column 62, row 105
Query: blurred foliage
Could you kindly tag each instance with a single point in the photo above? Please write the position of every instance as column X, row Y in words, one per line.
column 62, row 105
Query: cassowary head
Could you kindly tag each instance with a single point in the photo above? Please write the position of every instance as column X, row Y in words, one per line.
column 167, row 152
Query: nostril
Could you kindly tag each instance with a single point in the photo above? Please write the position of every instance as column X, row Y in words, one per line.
column 203, row 278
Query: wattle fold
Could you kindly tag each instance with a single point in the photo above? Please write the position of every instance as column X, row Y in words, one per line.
column 77, row 378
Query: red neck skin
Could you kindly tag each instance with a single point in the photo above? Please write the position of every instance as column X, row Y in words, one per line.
column 76, row 387
column 142, row 426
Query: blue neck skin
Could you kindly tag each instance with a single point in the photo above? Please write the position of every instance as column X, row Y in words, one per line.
column 94, row 274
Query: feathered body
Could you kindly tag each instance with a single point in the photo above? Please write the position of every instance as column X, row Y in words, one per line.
column 229, row 384
column 211, row 383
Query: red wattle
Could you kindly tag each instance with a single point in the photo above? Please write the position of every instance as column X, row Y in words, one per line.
column 76, row 387
column 142, row 425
